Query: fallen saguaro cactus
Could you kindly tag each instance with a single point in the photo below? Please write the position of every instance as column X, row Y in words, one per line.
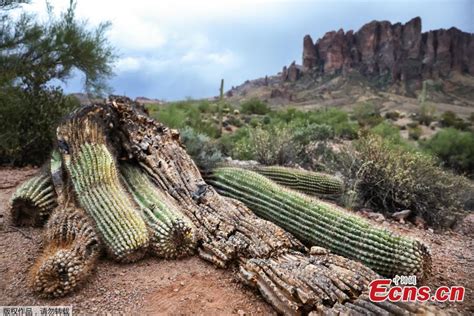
column 94, row 176
column 168, row 185
column 309, row 182
column 71, row 253
column 33, row 201
column 317, row 223
column 172, row 234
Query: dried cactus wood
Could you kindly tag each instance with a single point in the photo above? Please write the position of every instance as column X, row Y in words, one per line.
column 228, row 232
column 172, row 233
column 92, row 170
column 71, row 253
column 33, row 201
column 318, row 224
column 312, row 183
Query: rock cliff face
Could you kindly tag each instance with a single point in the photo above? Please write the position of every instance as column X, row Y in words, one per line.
column 401, row 52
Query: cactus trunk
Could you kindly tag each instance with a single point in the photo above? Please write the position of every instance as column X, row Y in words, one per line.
column 172, row 234
column 93, row 173
column 33, row 201
column 317, row 223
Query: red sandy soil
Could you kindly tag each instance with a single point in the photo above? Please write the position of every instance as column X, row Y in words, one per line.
column 189, row 286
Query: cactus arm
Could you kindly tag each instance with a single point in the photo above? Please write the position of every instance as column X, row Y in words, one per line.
column 172, row 233
column 312, row 183
column 71, row 253
column 317, row 223
column 33, row 201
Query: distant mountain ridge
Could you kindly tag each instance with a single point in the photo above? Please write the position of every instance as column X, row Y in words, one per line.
column 379, row 62
column 400, row 51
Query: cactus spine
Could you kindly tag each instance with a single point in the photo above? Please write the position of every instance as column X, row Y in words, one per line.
column 172, row 234
column 317, row 223
column 33, row 201
column 312, row 183
column 71, row 252
column 98, row 189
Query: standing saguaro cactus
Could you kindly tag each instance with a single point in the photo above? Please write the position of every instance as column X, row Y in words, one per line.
column 317, row 223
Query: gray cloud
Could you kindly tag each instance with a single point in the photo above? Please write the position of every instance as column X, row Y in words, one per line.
column 175, row 49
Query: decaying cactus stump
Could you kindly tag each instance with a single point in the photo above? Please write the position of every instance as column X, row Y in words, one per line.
column 95, row 139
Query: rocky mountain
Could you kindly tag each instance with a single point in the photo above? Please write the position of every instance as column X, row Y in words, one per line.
column 382, row 62
column 401, row 52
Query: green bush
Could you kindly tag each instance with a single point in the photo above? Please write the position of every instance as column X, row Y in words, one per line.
column 272, row 146
column 450, row 119
column 29, row 123
column 415, row 132
column 388, row 131
column 204, row 151
column 455, row 148
column 367, row 114
column 390, row 178
column 304, row 135
column 254, row 106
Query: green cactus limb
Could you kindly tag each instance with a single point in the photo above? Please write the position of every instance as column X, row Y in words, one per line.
column 71, row 253
column 33, row 201
column 98, row 190
column 172, row 233
column 317, row 223
column 312, row 183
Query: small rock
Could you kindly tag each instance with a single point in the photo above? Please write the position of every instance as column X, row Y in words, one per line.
column 420, row 222
column 241, row 312
column 376, row 216
column 175, row 290
column 117, row 292
column 318, row 251
column 181, row 283
column 402, row 215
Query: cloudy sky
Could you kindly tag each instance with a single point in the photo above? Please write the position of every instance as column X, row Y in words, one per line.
column 173, row 49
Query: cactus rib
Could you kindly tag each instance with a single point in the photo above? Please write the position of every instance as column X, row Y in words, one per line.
column 72, row 250
column 317, row 223
column 172, row 234
column 33, row 201
column 312, row 183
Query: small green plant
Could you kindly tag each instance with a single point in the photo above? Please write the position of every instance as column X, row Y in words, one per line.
column 204, row 150
column 450, row 119
column 455, row 148
column 426, row 115
column 415, row 132
column 254, row 106
column 367, row 114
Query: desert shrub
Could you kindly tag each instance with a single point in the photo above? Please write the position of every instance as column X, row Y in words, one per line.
column 254, row 106
column 270, row 146
column 367, row 114
column 337, row 119
column 185, row 114
column 450, row 119
column 204, row 150
column 415, row 132
column 455, row 148
column 392, row 115
column 304, row 135
column 29, row 121
column 388, row 131
column 390, row 178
